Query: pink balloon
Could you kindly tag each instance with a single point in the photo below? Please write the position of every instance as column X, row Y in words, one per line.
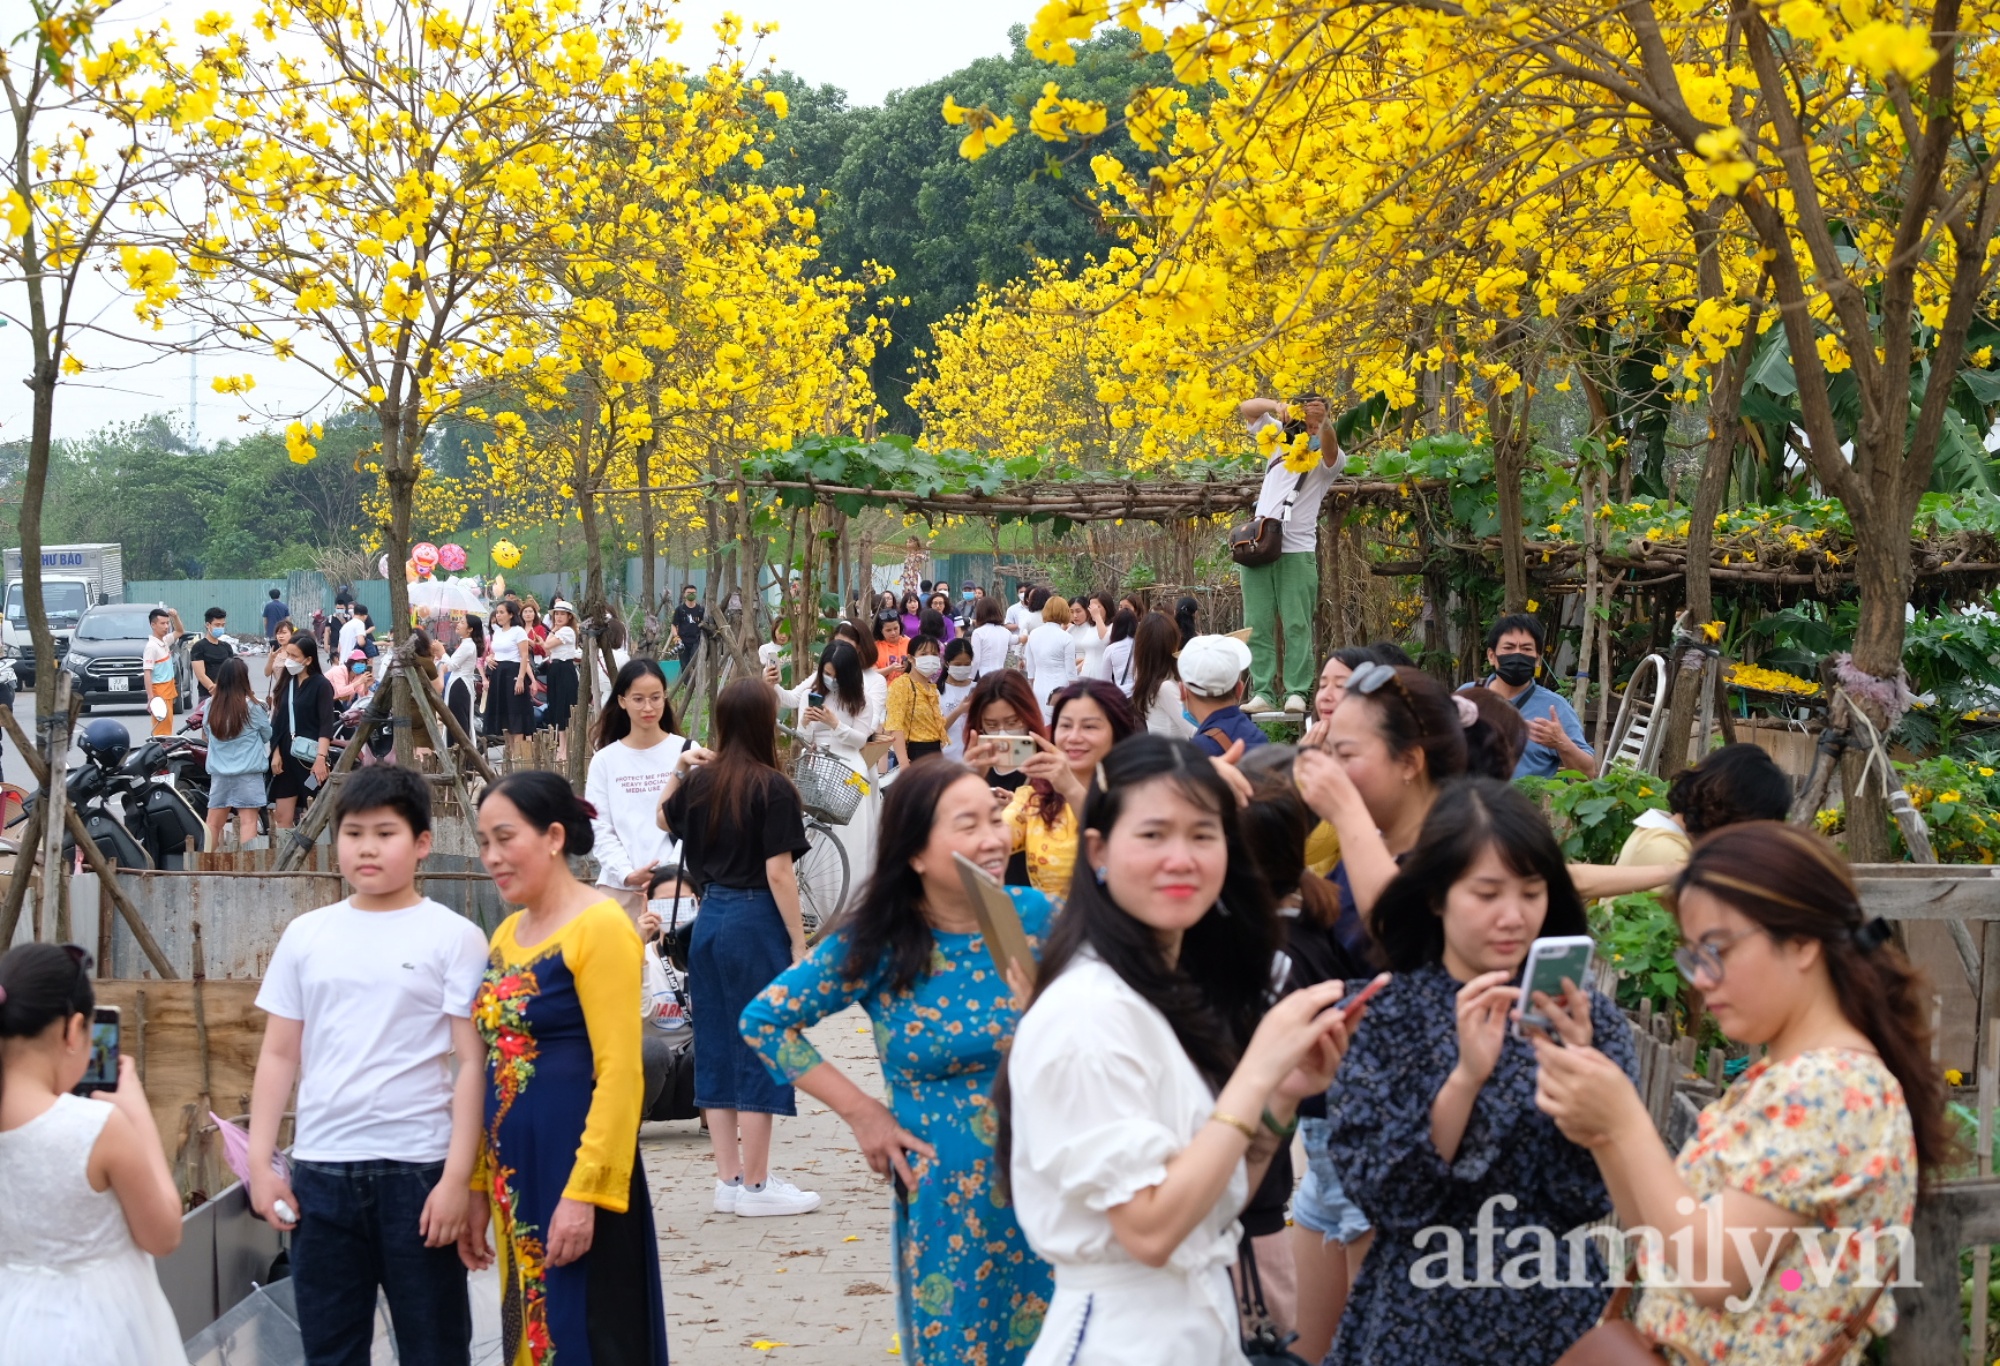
column 451, row 557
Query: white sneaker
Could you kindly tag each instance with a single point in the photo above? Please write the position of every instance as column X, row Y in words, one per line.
column 1257, row 704
column 726, row 1194
column 777, row 1197
column 1295, row 705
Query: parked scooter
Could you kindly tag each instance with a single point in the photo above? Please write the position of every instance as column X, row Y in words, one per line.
column 131, row 806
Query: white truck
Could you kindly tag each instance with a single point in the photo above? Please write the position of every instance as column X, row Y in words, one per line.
column 74, row 577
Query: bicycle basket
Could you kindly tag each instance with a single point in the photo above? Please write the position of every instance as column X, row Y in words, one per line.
column 828, row 788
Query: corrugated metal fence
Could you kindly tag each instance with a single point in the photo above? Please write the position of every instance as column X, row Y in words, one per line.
column 304, row 591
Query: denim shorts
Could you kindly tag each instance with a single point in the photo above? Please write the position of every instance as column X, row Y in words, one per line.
column 242, row 791
column 1319, row 1204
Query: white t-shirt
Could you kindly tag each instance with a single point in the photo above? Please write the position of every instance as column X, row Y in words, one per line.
column 377, row 991
column 350, row 636
column 561, row 643
column 1016, row 615
column 1302, row 522
column 507, row 644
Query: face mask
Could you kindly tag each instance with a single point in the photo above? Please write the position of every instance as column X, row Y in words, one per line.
column 295, row 667
column 928, row 666
column 1515, row 669
column 214, row 630
column 830, row 678
column 960, row 673
column 967, row 595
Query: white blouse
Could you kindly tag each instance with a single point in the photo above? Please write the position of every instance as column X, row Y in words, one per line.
column 844, row 739
column 462, row 665
column 561, row 643
column 1103, row 1096
column 875, row 687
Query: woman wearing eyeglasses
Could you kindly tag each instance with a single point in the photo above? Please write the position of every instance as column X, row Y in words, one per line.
column 1830, row 1130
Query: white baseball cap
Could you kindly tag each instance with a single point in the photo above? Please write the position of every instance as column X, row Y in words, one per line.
column 1213, row 665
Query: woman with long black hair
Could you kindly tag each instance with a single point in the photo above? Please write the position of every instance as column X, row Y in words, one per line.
column 301, row 709
column 842, row 723
column 637, row 745
column 909, row 951
column 461, row 673
column 1156, row 679
column 741, row 829
column 510, row 707
column 1149, row 1087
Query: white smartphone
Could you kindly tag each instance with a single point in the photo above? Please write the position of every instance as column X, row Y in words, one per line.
column 1550, row 961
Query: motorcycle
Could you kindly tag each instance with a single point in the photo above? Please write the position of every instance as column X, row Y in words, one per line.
column 132, row 807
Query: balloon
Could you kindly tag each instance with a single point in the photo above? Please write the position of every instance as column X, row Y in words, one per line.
column 424, row 556
column 410, row 571
column 506, row 554
column 382, row 566
column 451, row 557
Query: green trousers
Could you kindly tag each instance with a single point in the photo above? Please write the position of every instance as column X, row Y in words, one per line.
column 1277, row 597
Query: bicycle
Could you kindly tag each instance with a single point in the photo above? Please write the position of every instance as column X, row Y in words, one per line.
column 829, row 799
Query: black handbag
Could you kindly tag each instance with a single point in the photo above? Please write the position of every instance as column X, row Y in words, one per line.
column 1264, row 1342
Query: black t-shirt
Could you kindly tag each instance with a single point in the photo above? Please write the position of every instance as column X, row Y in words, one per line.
column 733, row 853
column 211, row 655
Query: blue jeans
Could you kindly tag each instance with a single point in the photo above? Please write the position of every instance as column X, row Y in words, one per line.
column 1319, row 1203
column 358, row 1230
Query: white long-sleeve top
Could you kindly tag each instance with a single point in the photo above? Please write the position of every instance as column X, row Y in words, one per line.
column 462, row 666
column 1092, row 646
column 1116, row 665
column 989, row 649
column 1163, row 714
column 624, row 785
column 1049, row 660
column 875, row 687
column 846, row 737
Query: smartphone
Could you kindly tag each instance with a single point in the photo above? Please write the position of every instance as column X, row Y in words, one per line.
column 1015, row 751
column 1360, row 998
column 1549, row 962
column 102, row 1074
column 815, row 699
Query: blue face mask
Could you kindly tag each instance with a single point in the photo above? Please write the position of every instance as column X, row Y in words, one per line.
column 1188, row 717
column 967, row 595
column 214, row 628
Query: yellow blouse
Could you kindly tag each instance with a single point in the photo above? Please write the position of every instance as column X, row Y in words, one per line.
column 1051, row 848
column 913, row 709
column 601, row 949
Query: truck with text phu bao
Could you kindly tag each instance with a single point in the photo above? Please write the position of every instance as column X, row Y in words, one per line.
column 73, row 577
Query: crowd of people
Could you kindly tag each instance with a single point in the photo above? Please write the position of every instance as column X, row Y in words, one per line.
column 1244, row 951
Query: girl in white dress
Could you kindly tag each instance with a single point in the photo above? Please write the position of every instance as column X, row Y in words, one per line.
column 86, row 1201
column 1090, row 624
column 842, row 723
column 1149, row 1087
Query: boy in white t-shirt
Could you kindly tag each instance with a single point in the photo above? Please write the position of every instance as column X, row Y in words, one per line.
column 366, row 999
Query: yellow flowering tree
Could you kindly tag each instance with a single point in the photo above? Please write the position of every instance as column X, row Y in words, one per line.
column 1479, row 164
column 380, row 188
column 85, row 122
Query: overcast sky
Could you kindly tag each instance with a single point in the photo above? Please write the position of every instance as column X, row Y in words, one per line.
column 866, row 47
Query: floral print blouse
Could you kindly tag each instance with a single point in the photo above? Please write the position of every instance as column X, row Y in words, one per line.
column 1825, row 1134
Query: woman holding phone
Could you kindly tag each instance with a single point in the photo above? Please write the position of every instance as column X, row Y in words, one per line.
column 1088, row 718
column 911, row 954
column 1830, row 1130
column 1148, row 1087
column 835, row 713
column 1433, row 1110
